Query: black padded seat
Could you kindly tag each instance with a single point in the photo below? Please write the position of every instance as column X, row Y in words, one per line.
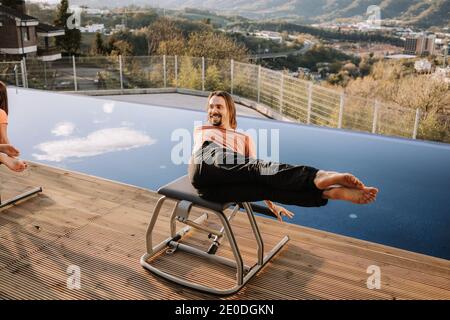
column 182, row 189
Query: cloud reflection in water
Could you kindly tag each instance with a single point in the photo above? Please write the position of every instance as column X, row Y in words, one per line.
column 97, row 142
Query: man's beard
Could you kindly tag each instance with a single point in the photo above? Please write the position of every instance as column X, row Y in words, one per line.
column 216, row 121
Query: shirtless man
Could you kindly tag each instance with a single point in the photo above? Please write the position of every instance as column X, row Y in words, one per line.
column 246, row 178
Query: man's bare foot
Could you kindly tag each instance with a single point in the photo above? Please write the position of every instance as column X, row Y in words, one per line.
column 325, row 179
column 357, row 196
column 12, row 163
column 9, row 150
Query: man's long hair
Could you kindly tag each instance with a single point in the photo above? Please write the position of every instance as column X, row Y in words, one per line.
column 230, row 105
column 3, row 97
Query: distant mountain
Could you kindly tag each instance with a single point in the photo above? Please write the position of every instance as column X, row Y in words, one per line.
column 424, row 13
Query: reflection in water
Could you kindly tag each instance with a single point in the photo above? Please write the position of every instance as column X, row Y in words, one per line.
column 63, row 129
column 108, row 107
column 411, row 211
column 98, row 142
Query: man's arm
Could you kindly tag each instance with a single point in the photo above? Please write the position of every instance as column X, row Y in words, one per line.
column 251, row 147
column 269, row 204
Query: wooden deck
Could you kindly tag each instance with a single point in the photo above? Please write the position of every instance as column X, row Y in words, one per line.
column 100, row 226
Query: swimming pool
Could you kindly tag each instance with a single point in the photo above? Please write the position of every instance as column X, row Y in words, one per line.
column 132, row 143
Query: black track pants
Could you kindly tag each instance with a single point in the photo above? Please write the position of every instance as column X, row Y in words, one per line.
column 221, row 175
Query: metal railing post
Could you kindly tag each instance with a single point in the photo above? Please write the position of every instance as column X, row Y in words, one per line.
column 310, row 92
column 416, row 123
column 375, row 116
column 17, row 80
column 165, row 71
column 121, row 72
column 281, row 92
column 231, row 75
column 176, row 71
column 25, row 72
column 341, row 110
column 203, row 73
column 22, row 67
column 75, row 84
column 259, row 84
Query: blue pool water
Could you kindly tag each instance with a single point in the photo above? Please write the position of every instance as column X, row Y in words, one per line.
column 132, row 143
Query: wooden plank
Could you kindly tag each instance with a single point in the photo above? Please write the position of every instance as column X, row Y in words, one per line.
column 100, row 226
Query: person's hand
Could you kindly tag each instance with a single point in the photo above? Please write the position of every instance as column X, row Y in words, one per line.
column 279, row 212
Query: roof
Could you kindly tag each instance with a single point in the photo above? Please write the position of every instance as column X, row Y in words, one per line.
column 401, row 56
column 16, row 14
column 43, row 27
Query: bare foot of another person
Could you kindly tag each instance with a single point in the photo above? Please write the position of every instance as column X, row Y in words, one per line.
column 12, row 163
column 357, row 196
column 325, row 179
column 10, row 150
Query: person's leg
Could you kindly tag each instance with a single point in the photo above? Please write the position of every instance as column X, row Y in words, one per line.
column 365, row 195
column 309, row 198
column 13, row 163
column 260, row 192
column 9, row 150
column 219, row 166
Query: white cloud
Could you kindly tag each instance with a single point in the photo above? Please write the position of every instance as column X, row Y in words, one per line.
column 97, row 121
column 63, row 129
column 108, row 107
column 98, row 142
column 126, row 123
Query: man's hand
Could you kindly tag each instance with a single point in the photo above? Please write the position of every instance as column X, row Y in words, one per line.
column 279, row 211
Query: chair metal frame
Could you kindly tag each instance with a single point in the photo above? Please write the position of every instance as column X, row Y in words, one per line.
column 19, row 198
column 181, row 213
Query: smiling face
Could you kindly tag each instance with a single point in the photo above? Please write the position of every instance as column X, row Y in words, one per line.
column 218, row 112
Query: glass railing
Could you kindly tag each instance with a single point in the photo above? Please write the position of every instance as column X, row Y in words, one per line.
column 299, row 100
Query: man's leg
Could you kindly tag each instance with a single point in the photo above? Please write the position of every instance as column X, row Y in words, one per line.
column 308, row 198
column 260, row 192
column 219, row 166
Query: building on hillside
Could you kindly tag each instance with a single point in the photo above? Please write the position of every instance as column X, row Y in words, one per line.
column 423, row 66
column 22, row 35
column 420, row 44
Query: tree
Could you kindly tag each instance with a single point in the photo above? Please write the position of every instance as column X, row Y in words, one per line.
column 98, row 47
column 351, row 69
column 214, row 46
column 71, row 40
column 163, row 29
column 172, row 47
column 10, row 3
column 189, row 76
column 121, row 47
column 393, row 82
column 214, row 80
column 365, row 66
column 142, row 19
